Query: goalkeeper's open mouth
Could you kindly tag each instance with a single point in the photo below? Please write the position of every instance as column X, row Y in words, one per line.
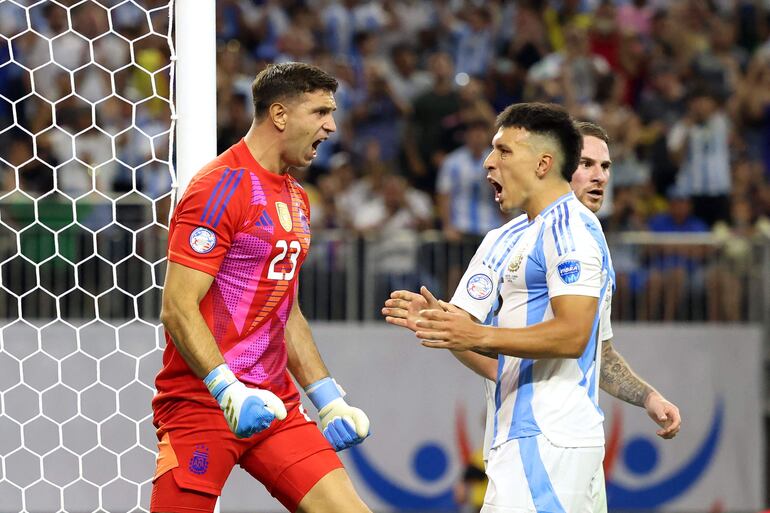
column 317, row 143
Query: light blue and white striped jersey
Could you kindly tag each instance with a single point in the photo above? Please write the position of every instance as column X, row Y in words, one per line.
column 526, row 263
column 471, row 200
column 705, row 169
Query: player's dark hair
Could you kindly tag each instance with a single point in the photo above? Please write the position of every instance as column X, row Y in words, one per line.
column 588, row 129
column 550, row 120
column 286, row 81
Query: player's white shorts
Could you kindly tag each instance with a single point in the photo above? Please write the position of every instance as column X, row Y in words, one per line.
column 530, row 475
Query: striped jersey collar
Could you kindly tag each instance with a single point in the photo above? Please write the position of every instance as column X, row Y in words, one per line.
column 559, row 201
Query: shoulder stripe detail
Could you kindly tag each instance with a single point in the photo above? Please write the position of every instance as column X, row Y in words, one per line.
column 559, row 201
column 556, row 237
column 499, row 265
column 562, row 238
column 209, row 217
column 567, row 228
column 505, row 235
column 215, row 193
column 230, row 192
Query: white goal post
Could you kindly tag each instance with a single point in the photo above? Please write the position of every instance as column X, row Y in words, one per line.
column 96, row 144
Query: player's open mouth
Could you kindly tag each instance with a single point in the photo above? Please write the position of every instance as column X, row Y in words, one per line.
column 315, row 145
column 497, row 187
column 596, row 193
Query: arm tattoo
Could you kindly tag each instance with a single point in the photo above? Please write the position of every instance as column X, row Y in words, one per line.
column 618, row 380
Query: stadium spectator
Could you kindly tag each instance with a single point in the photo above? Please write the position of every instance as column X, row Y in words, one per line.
column 699, row 143
column 425, row 143
column 675, row 271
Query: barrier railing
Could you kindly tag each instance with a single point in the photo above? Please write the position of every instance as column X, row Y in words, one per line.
column 660, row 277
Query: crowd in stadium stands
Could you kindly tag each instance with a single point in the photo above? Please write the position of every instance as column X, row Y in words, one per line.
column 681, row 86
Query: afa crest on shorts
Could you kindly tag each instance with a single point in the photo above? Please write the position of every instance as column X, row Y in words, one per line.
column 479, row 286
column 199, row 461
column 202, row 240
column 569, row 271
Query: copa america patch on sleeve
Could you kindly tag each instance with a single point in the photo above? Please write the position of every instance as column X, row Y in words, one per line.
column 569, row 271
column 202, row 240
column 479, row 286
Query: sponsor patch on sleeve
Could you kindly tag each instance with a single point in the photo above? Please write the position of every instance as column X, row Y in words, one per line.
column 569, row 271
column 479, row 286
column 202, row 240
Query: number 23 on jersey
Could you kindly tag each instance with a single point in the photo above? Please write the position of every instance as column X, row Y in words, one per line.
column 293, row 249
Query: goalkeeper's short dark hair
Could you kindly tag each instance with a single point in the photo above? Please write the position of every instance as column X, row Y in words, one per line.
column 286, row 81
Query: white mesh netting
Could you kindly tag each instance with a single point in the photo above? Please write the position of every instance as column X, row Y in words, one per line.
column 85, row 191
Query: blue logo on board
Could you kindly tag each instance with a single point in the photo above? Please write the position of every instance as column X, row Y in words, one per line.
column 430, row 462
column 569, row 271
column 640, row 457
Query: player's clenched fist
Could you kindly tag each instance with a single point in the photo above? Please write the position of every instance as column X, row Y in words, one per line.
column 247, row 410
column 343, row 425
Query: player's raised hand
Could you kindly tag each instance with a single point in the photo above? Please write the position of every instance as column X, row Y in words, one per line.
column 343, row 425
column 404, row 307
column 664, row 413
column 247, row 410
column 449, row 328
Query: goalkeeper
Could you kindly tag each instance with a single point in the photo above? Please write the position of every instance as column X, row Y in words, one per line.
column 234, row 330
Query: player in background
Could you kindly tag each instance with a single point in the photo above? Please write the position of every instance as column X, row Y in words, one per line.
column 616, row 376
column 234, row 329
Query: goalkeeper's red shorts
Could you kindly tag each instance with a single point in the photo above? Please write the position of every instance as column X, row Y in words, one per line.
column 197, row 451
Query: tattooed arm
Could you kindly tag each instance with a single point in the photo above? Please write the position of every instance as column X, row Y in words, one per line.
column 619, row 380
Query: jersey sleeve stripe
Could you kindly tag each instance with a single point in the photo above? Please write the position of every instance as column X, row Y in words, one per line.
column 214, row 194
column 556, row 238
column 562, row 237
column 220, row 196
column 227, row 198
column 566, row 225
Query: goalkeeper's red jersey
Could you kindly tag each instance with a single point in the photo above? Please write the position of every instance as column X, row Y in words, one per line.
column 250, row 229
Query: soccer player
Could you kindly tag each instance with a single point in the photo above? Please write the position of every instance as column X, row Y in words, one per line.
column 551, row 270
column 234, row 330
column 616, row 377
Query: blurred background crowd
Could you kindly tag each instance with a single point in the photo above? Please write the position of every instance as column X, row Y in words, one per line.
column 681, row 86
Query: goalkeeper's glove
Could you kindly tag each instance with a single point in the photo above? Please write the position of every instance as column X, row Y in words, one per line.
column 247, row 410
column 343, row 425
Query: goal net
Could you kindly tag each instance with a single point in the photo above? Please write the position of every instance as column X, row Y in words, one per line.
column 86, row 184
